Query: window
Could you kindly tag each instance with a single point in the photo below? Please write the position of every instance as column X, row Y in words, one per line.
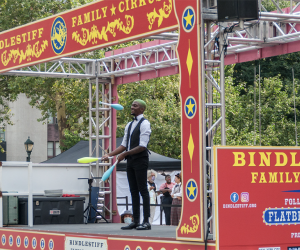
column 50, row 149
column 57, row 148
column 53, row 150
column 52, row 118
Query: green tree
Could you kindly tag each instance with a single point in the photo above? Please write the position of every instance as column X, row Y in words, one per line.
column 277, row 113
column 66, row 98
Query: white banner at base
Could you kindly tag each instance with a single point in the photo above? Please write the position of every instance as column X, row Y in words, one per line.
column 84, row 243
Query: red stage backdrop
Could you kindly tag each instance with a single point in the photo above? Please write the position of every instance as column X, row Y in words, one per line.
column 92, row 26
column 257, row 195
column 189, row 56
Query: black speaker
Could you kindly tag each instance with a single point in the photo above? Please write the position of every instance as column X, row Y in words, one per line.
column 234, row 10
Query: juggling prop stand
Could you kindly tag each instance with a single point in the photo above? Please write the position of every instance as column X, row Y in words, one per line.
column 87, row 212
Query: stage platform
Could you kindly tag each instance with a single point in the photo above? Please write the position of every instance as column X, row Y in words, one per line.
column 100, row 236
column 107, row 230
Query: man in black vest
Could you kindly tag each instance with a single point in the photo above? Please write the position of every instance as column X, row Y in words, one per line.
column 135, row 141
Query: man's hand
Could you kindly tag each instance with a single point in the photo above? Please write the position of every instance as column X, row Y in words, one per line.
column 122, row 156
column 151, row 188
column 105, row 157
column 179, row 198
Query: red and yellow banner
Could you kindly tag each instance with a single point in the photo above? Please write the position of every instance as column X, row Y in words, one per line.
column 257, row 196
column 189, row 56
column 92, row 26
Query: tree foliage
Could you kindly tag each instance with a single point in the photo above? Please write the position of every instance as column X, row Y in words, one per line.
column 276, row 110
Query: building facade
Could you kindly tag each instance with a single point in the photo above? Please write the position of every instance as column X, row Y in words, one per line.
column 25, row 124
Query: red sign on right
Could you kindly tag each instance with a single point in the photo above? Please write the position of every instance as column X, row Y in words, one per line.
column 257, row 194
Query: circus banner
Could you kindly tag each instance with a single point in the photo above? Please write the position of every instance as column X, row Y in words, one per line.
column 189, row 55
column 257, row 197
column 93, row 26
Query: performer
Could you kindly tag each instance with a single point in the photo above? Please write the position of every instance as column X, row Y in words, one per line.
column 135, row 141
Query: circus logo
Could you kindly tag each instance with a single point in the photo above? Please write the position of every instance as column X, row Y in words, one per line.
column 59, row 35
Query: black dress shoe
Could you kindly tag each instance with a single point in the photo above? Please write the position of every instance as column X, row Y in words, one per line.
column 144, row 226
column 130, row 226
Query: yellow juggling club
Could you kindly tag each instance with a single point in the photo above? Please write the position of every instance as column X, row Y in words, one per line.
column 90, row 159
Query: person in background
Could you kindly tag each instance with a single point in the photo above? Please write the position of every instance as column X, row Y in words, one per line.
column 127, row 217
column 166, row 189
column 176, row 194
column 151, row 174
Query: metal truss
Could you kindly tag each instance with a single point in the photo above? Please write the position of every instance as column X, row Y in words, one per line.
column 134, row 62
column 100, row 131
column 220, row 39
column 62, row 68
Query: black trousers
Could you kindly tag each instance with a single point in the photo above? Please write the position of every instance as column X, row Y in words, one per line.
column 137, row 179
column 167, row 210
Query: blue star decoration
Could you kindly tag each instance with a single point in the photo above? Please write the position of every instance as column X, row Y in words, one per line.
column 3, row 239
column 188, row 19
column 42, row 244
column 34, row 242
column 51, row 244
column 191, row 190
column 190, row 107
column 26, row 242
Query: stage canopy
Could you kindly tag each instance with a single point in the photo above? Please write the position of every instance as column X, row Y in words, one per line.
column 81, row 149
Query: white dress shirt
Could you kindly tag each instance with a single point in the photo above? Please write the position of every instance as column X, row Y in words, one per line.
column 145, row 130
column 176, row 190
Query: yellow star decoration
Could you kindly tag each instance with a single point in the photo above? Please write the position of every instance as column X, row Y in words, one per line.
column 188, row 19
column 192, row 190
column 113, row 10
column 190, row 107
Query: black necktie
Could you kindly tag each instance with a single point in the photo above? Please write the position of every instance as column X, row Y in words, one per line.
column 134, row 118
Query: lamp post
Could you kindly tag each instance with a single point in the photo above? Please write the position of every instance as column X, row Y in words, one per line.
column 28, row 147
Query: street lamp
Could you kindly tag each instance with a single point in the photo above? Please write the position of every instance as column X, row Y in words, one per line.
column 28, row 147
